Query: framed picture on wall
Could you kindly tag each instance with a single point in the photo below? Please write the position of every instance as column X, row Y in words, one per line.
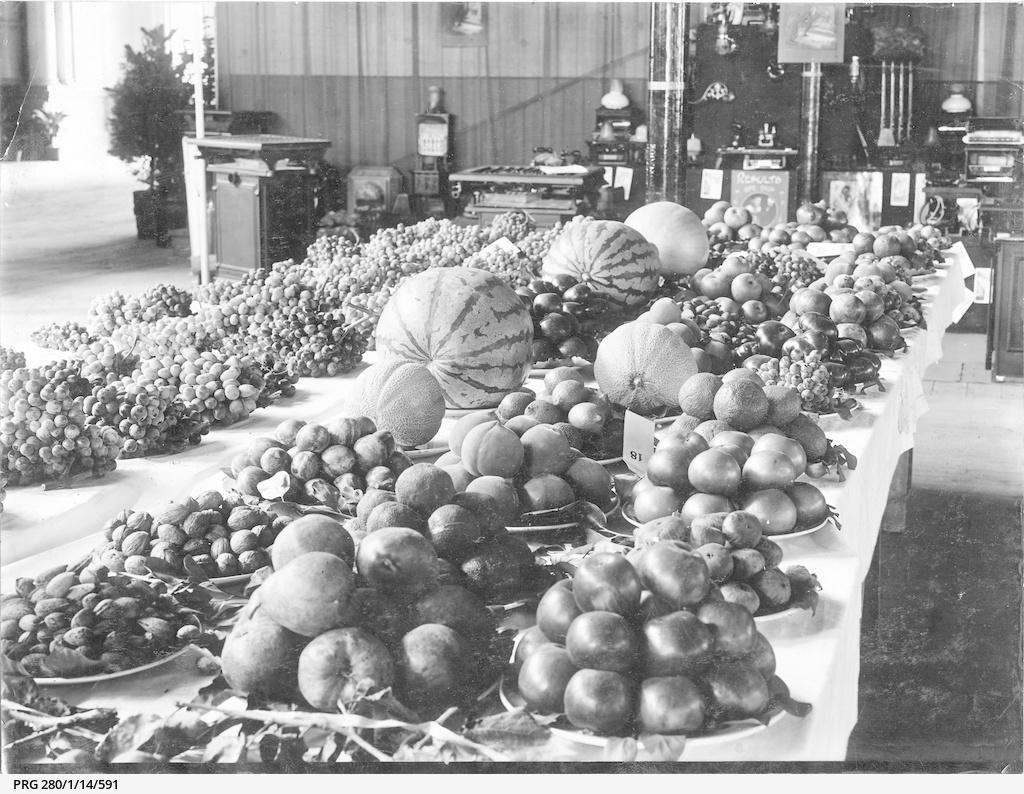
column 858, row 194
column 812, row 32
column 463, row 25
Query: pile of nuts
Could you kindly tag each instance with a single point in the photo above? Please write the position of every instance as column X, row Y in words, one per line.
column 68, row 622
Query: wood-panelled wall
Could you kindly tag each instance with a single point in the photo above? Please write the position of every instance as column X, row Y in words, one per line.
column 357, row 73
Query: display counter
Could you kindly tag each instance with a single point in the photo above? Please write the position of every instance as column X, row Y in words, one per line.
column 818, row 654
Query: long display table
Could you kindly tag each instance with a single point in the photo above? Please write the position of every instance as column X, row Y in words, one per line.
column 818, row 655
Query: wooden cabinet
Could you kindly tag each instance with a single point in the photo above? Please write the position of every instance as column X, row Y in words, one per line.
column 263, row 198
column 1008, row 300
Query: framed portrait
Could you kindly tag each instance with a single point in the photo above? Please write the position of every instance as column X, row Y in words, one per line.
column 463, row 25
column 858, row 194
column 812, row 32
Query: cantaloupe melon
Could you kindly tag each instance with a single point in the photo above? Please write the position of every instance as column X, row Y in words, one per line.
column 642, row 366
column 402, row 397
column 677, row 233
column 611, row 257
column 467, row 326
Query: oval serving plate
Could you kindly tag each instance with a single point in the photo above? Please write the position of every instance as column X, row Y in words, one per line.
column 801, row 532
column 512, row 700
column 429, row 451
column 561, row 525
column 98, row 679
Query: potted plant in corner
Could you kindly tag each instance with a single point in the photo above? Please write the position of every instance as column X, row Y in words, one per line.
column 146, row 129
column 48, row 122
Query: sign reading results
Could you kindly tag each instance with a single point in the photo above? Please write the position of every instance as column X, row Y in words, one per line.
column 764, row 193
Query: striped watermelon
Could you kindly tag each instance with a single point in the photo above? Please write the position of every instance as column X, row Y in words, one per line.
column 468, row 326
column 616, row 260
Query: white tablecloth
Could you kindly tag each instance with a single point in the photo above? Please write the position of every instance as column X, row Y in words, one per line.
column 818, row 656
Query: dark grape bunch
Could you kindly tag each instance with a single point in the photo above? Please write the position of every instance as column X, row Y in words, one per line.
column 44, row 434
column 707, row 313
column 11, row 358
column 67, row 336
column 567, row 317
column 807, row 374
column 150, row 418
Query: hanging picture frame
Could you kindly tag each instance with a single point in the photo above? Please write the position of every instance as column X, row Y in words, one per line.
column 463, row 25
column 812, row 32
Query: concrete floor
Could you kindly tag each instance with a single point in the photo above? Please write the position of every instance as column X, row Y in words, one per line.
column 941, row 634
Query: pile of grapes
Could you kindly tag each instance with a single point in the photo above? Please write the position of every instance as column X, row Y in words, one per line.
column 44, row 432
column 807, row 374
column 67, row 336
column 114, row 310
column 10, row 358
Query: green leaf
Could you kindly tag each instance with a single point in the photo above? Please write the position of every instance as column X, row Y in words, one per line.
column 509, row 731
column 129, row 734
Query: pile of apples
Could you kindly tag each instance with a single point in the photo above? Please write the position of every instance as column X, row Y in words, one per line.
column 645, row 644
column 815, row 222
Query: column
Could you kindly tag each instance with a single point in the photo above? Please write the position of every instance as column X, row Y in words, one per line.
column 666, row 101
column 810, row 114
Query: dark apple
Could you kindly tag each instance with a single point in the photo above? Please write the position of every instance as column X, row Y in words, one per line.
column 563, row 281
column 558, row 327
column 544, row 677
column 556, row 610
column 602, row 641
column 529, row 641
column 670, row 705
column 771, row 335
column 732, row 625
column 607, row 581
column 737, row 689
column 675, row 644
column 668, row 466
column 578, row 293
column 601, row 701
column 675, row 574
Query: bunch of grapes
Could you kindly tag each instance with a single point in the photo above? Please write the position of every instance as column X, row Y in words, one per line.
column 105, row 362
column 67, row 336
column 218, row 290
column 736, row 334
column 223, row 389
column 11, row 358
column 109, row 312
column 797, row 269
column 807, row 374
column 44, row 433
column 508, row 265
column 514, row 225
column 150, row 418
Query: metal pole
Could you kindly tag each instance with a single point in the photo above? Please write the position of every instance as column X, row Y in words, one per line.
column 666, row 86
column 197, row 101
column 809, row 118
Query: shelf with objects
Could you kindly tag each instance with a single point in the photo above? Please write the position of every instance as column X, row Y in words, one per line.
column 262, row 197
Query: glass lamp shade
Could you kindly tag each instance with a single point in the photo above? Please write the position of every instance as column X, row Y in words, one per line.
column 956, row 103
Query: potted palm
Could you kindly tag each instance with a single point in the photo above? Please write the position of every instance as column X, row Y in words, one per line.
column 146, row 128
column 48, row 122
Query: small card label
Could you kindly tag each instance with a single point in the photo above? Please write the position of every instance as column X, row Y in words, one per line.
column 505, row 245
column 711, row 180
column 637, row 442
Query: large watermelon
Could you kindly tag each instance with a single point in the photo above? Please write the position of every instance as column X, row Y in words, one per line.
column 468, row 326
column 616, row 260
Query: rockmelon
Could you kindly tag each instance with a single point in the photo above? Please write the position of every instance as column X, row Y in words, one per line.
column 677, row 233
column 467, row 326
column 642, row 366
column 402, row 397
column 611, row 257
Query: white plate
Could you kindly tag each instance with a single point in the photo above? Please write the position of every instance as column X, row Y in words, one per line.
column 430, row 451
column 567, row 525
column 776, row 617
column 800, row 533
column 98, row 679
column 512, row 700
